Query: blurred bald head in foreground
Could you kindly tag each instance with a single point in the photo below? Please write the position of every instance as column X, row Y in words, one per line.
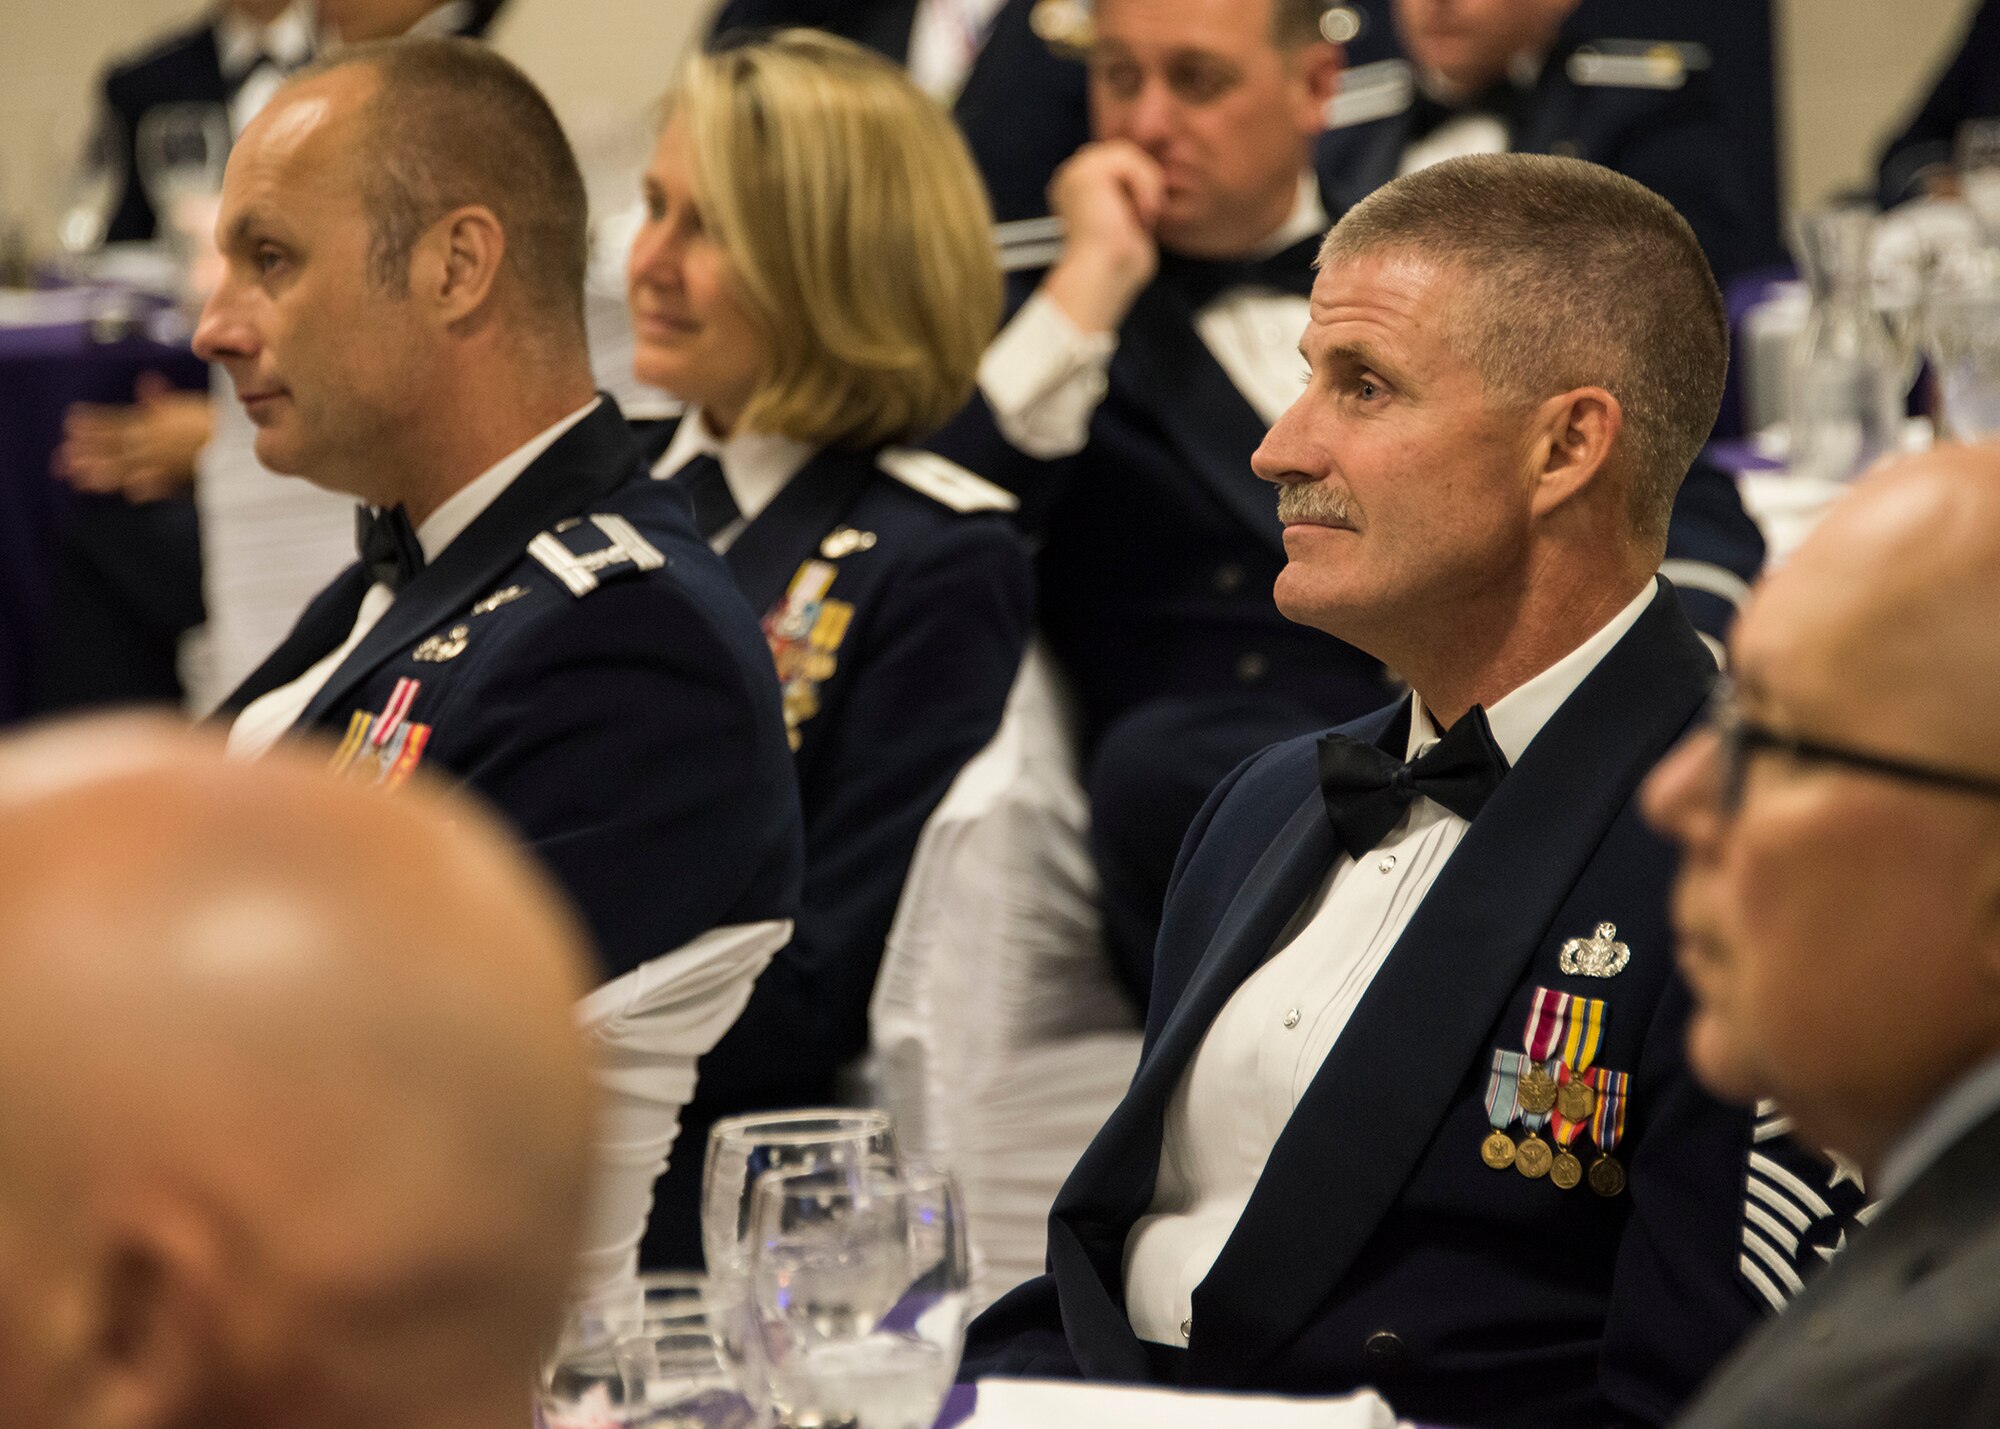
column 293, row 1119
column 1838, row 916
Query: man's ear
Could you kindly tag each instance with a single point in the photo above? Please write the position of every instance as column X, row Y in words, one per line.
column 1574, row 437
column 457, row 262
column 158, row 1296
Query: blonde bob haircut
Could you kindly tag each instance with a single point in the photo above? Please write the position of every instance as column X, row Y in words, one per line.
column 859, row 231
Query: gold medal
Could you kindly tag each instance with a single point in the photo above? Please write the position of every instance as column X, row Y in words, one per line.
column 1532, row 1157
column 1497, row 1151
column 1607, row 1177
column 1538, row 1091
column 1575, row 1100
column 1566, row 1171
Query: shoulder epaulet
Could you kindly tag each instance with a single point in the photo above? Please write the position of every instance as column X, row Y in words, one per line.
column 1025, row 244
column 944, row 481
column 1369, row 92
column 1636, row 64
column 582, row 554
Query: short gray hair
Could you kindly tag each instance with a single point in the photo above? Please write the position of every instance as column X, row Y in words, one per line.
column 1580, row 278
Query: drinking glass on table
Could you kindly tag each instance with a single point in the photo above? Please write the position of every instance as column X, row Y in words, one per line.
column 743, row 1148
column 859, row 1291
column 740, row 1150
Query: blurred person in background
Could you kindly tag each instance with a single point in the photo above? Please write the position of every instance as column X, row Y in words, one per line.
column 293, row 1113
column 818, row 282
column 1124, row 398
column 1009, row 71
column 1837, row 917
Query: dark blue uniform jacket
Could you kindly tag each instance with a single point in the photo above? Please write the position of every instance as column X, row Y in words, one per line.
column 1378, row 1249
column 622, row 717
column 896, row 622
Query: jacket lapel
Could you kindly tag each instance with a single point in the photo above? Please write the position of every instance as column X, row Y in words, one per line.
column 1426, row 1018
column 588, row 461
column 787, row 532
column 320, row 629
column 1171, row 374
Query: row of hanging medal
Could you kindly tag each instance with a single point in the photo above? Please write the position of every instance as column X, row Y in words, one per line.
column 1554, row 1085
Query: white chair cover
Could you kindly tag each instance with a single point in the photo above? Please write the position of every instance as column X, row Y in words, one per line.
column 1000, row 1037
column 646, row 1031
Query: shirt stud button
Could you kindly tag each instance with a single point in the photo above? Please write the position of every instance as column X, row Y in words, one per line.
column 1387, row 865
column 1187, row 1328
column 1291, row 1019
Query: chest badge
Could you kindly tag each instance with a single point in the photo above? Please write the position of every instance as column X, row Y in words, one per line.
column 500, row 597
column 1600, row 955
column 845, row 541
column 440, row 648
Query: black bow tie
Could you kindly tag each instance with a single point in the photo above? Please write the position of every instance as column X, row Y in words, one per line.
column 1503, row 100
column 714, row 507
column 1367, row 789
column 1202, row 280
column 388, row 545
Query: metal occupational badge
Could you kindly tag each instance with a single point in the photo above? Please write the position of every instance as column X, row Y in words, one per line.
column 440, row 648
column 1599, row 956
column 499, row 598
column 845, row 541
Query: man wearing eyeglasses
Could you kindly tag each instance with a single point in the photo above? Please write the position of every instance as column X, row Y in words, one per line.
column 1412, row 1110
column 1838, row 920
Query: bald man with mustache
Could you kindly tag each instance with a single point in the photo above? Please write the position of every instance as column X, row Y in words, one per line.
column 293, row 1119
column 1838, row 921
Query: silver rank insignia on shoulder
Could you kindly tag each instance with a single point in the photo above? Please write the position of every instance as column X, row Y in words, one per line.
column 1635, row 64
column 579, row 570
column 1065, row 26
column 845, row 541
column 440, row 648
column 1600, row 955
column 944, row 481
column 500, row 597
column 1368, row 92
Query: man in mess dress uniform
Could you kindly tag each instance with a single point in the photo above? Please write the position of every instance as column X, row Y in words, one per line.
column 1412, row 1110
column 402, row 317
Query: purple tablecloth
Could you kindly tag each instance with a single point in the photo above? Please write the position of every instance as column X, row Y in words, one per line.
column 42, row 371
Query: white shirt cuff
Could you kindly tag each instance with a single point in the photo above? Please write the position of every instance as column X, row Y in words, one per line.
column 1043, row 377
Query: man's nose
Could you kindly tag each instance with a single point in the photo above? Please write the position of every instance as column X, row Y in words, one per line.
column 1285, row 456
column 221, row 332
column 1679, row 797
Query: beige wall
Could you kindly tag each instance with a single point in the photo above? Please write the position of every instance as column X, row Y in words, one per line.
column 1852, row 68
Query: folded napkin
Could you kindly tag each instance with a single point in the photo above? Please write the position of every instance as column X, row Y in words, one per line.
column 1059, row 1404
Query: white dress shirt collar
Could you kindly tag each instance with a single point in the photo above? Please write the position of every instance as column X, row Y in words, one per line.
column 463, row 506
column 1975, row 1097
column 287, row 40
column 446, row 19
column 1518, row 716
column 1307, row 219
column 756, row 465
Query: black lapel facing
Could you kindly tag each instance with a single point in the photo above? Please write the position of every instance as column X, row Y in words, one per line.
column 1424, row 1020
column 586, row 463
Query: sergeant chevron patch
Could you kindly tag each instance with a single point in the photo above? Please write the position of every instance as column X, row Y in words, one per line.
column 1797, row 1209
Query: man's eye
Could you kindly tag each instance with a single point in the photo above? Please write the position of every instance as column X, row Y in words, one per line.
column 1121, row 77
column 267, row 260
column 1198, row 81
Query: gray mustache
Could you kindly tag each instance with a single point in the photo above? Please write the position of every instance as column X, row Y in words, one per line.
column 1312, row 502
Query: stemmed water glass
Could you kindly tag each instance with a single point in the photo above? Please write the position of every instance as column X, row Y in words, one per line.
column 859, row 1291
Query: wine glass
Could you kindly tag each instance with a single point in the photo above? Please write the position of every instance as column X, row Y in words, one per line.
column 743, row 1148
column 583, row 1385
column 859, row 1291
column 181, row 151
column 91, row 193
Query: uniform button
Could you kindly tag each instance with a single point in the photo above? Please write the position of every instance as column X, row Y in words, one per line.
column 1187, row 1328
column 1251, row 668
column 1383, row 1349
column 1291, row 1019
column 1565, row 149
column 1228, row 579
column 1819, row 1328
column 1387, row 865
